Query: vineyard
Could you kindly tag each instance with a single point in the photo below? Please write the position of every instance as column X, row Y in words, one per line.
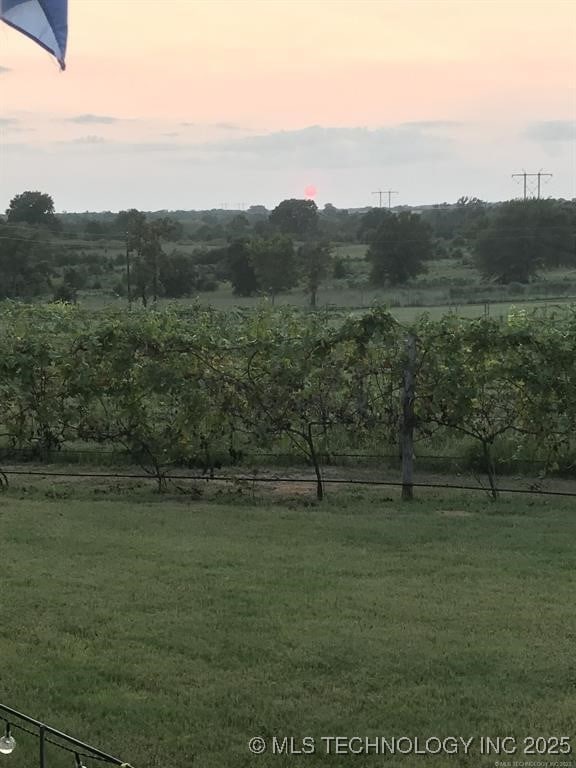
column 176, row 389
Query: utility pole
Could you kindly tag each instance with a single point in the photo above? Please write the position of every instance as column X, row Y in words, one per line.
column 526, row 176
column 388, row 192
column 540, row 174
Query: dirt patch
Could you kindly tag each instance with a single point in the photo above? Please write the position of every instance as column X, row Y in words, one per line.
column 291, row 489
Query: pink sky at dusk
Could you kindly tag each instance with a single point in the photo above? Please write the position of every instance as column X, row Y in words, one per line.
column 190, row 103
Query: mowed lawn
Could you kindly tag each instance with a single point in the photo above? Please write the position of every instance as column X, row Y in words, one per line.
column 170, row 632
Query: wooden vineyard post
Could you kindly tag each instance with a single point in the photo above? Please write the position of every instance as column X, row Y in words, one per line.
column 407, row 424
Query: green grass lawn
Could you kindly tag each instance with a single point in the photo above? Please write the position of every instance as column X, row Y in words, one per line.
column 169, row 631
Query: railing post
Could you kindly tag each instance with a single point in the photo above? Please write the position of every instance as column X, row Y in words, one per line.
column 42, row 744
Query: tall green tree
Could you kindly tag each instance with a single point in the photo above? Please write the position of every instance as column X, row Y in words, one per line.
column 274, row 263
column 240, row 269
column 178, row 274
column 315, row 260
column 35, row 208
column 525, row 236
column 298, row 218
column 144, row 239
column 26, row 264
column 238, row 226
column 399, row 249
column 369, row 223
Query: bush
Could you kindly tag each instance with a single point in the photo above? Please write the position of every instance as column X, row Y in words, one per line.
column 65, row 293
column 341, row 269
column 516, row 289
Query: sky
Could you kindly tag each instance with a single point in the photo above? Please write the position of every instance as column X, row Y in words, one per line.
column 199, row 104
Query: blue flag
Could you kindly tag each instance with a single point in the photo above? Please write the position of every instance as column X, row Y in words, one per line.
column 45, row 21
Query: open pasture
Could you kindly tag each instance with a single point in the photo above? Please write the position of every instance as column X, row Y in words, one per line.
column 337, row 299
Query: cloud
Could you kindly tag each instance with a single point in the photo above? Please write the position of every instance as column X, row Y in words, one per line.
column 312, row 147
column 433, row 124
column 122, row 147
column 20, row 146
column 88, row 140
column 227, row 126
column 219, row 126
column 4, row 70
column 13, row 125
column 156, row 146
column 552, row 131
column 93, row 119
column 325, row 147
column 170, row 134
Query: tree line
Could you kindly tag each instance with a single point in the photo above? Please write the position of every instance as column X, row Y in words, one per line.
column 292, row 245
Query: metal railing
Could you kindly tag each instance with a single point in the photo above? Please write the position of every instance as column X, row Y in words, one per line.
column 48, row 735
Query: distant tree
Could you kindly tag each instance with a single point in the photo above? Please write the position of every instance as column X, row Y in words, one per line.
column 66, row 293
column 143, row 238
column 274, row 263
column 94, row 228
column 240, row 269
column 215, row 257
column 257, row 210
column 237, row 226
column 471, row 217
column 25, row 264
column 178, row 274
column 525, row 236
column 175, row 230
column 336, row 225
column 207, row 233
column 76, row 277
column 399, row 249
column 314, row 263
column 262, row 228
column 130, row 224
column 35, row 208
column 341, row 268
column 151, row 256
column 370, row 223
column 298, row 218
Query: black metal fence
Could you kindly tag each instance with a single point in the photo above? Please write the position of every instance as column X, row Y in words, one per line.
column 45, row 734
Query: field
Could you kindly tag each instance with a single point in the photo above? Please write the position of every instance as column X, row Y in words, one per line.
column 448, row 285
column 346, row 299
column 170, row 631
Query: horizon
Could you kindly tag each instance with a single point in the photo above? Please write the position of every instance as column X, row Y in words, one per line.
column 232, row 209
